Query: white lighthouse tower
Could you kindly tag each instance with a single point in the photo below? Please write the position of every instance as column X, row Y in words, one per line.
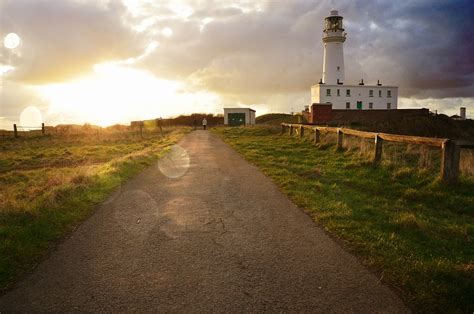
column 332, row 88
column 333, row 39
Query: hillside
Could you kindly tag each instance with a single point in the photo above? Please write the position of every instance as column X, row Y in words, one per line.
column 278, row 118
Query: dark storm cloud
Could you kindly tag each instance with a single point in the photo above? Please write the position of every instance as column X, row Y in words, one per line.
column 63, row 39
column 422, row 46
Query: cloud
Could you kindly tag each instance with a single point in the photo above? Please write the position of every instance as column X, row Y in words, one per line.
column 264, row 54
column 64, row 39
column 421, row 46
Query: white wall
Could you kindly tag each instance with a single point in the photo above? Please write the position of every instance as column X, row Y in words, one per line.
column 357, row 93
column 249, row 114
column 333, row 62
column 252, row 117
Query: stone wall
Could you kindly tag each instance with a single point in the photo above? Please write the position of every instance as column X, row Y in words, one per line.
column 323, row 113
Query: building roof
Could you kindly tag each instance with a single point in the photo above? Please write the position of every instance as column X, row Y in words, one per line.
column 365, row 85
column 239, row 108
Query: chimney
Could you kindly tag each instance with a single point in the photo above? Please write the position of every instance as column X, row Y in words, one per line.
column 462, row 113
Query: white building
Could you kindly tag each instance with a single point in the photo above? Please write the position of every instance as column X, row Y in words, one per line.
column 239, row 116
column 332, row 88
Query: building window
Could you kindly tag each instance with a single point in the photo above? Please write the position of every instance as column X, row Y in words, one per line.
column 371, row 105
column 338, row 68
column 380, row 93
column 348, row 105
column 338, row 92
column 389, row 105
column 328, row 92
column 371, row 93
column 389, row 93
column 348, row 93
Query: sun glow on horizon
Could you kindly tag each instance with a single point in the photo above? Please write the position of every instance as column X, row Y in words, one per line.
column 119, row 94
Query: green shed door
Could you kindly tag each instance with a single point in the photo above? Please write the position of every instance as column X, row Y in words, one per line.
column 359, row 105
column 236, row 119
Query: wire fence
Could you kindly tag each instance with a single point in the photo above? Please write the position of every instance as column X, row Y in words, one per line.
column 27, row 128
column 140, row 130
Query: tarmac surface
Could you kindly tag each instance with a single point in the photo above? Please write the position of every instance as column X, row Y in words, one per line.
column 202, row 231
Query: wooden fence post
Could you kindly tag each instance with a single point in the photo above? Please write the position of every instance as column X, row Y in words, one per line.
column 378, row 149
column 301, row 131
column 450, row 161
column 317, row 136
column 42, row 128
column 282, row 129
column 340, row 136
column 15, row 130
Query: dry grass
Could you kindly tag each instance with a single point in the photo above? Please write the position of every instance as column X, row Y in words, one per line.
column 467, row 162
column 49, row 184
column 34, row 170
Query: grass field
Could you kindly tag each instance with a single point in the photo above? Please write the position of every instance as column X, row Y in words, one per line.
column 49, row 184
column 413, row 231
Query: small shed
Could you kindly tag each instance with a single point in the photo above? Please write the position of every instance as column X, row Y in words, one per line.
column 239, row 116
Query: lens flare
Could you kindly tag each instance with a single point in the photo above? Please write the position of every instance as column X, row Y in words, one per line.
column 136, row 211
column 11, row 41
column 31, row 118
column 175, row 163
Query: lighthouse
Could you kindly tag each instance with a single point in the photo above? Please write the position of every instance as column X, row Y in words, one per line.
column 333, row 40
column 334, row 90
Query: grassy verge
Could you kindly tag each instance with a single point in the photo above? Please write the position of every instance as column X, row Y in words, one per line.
column 415, row 232
column 49, row 185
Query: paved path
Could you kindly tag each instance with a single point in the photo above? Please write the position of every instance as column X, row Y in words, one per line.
column 218, row 238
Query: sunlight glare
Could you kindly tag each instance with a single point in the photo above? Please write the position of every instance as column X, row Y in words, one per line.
column 167, row 32
column 119, row 94
column 30, row 118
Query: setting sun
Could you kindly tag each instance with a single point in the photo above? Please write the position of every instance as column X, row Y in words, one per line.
column 119, row 94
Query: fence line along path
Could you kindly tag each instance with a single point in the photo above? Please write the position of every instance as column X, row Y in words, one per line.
column 450, row 149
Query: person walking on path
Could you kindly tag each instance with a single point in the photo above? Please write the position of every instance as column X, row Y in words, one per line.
column 204, row 123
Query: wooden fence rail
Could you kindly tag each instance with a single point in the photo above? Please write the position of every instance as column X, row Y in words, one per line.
column 450, row 149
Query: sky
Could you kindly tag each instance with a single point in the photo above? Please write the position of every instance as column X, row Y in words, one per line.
column 113, row 61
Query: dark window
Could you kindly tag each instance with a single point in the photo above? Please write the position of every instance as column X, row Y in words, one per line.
column 389, row 105
column 371, row 93
column 380, row 93
column 338, row 92
column 348, row 105
column 328, row 92
column 371, row 105
column 389, row 93
column 348, row 93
